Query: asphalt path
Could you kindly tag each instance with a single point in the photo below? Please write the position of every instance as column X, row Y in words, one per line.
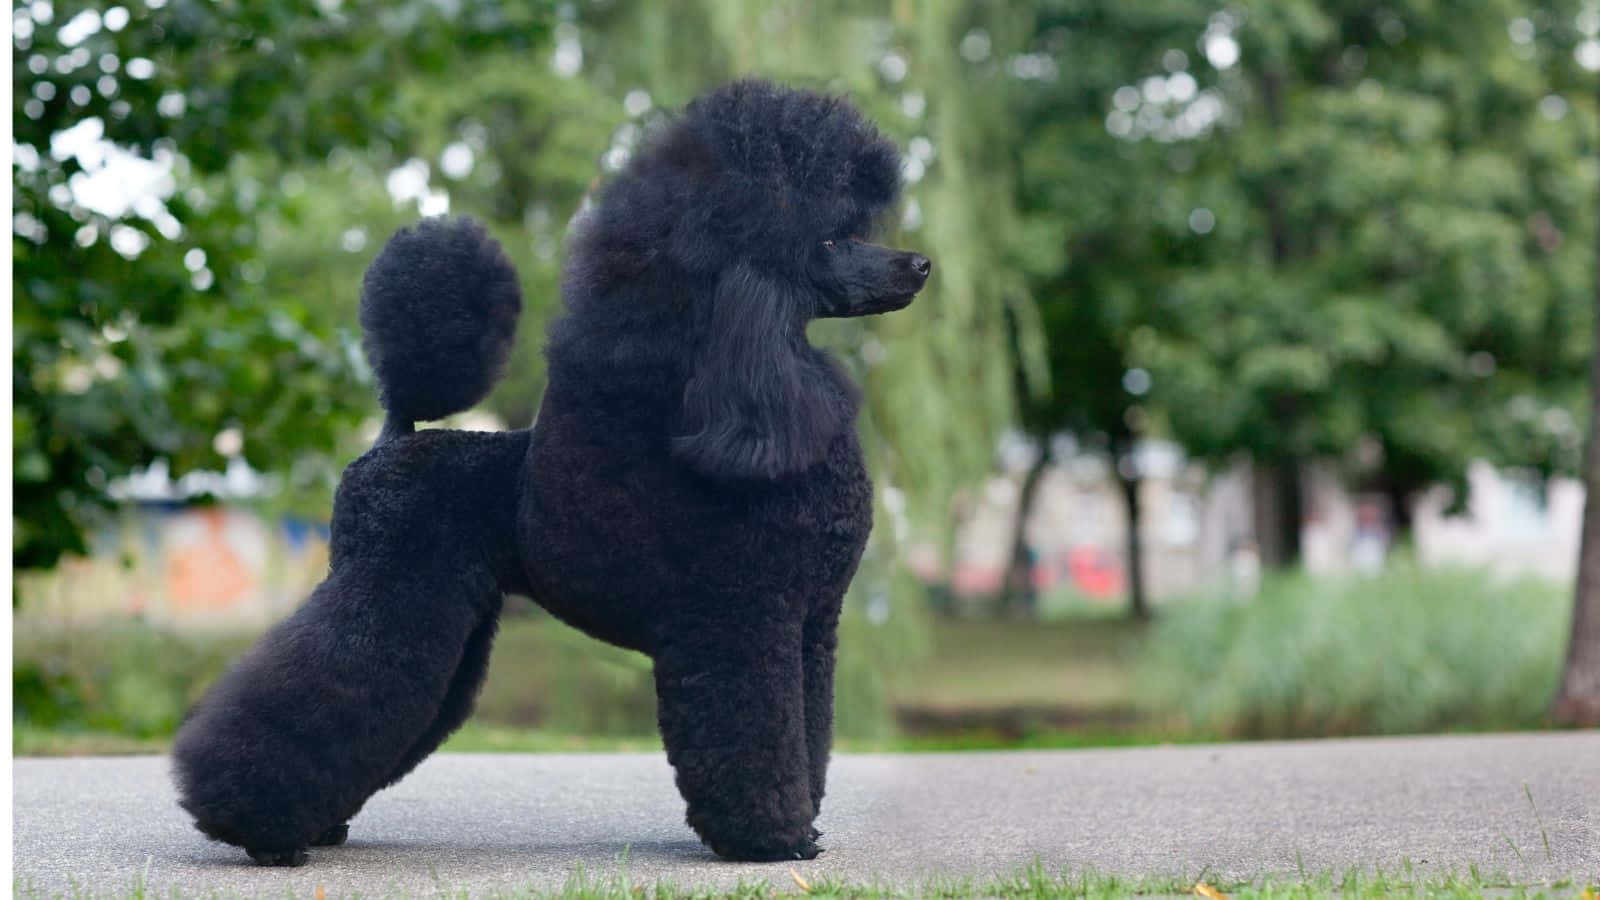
column 1525, row 806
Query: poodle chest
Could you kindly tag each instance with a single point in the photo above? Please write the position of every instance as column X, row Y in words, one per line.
column 619, row 539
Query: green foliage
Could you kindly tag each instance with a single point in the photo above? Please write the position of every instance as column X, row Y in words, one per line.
column 143, row 332
column 950, row 352
column 1100, row 207
column 592, row 688
column 1407, row 651
column 1388, row 257
column 536, row 139
column 1367, row 227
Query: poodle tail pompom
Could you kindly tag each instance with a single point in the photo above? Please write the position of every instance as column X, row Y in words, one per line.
column 439, row 310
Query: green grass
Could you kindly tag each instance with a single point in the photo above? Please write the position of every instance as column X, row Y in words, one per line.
column 32, row 740
column 1034, row 882
column 474, row 737
column 479, row 737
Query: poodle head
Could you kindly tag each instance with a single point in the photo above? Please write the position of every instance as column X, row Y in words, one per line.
column 755, row 203
column 786, row 182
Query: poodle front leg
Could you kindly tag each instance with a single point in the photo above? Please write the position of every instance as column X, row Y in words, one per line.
column 821, row 642
column 732, row 713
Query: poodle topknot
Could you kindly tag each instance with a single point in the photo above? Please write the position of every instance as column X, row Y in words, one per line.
column 751, row 170
column 693, row 489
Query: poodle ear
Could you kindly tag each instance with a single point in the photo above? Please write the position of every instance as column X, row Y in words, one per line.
column 760, row 402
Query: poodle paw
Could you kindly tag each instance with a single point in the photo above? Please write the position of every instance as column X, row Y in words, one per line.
column 333, row 837
column 815, row 833
column 295, row 857
column 740, row 852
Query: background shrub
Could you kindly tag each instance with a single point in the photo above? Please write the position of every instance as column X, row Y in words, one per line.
column 1407, row 650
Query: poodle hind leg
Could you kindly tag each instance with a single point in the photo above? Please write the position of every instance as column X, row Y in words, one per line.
column 458, row 700
column 454, row 711
column 733, row 721
column 456, row 708
column 317, row 715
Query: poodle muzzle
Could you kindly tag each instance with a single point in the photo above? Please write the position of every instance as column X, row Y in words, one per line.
column 866, row 279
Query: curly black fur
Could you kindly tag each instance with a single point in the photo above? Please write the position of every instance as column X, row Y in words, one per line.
column 693, row 490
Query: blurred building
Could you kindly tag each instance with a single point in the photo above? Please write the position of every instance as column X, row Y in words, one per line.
column 213, row 567
column 1513, row 523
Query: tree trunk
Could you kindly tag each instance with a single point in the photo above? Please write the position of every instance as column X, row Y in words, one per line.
column 1277, row 484
column 1399, row 495
column 1139, row 606
column 1021, row 600
column 1278, row 510
column 1578, row 702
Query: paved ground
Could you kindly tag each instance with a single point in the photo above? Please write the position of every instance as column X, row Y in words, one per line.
column 505, row 821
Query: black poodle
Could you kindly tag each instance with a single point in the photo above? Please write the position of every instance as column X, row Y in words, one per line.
column 693, row 489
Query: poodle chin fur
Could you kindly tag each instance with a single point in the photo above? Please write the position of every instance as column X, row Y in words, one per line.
column 693, row 490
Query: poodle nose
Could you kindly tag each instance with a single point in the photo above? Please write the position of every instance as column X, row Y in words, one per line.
column 921, row 265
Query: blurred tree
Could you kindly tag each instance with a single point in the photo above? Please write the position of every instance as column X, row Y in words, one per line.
column 1101, row 249
column 142, row 329
column 1306, row 240
column 1393, row 175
